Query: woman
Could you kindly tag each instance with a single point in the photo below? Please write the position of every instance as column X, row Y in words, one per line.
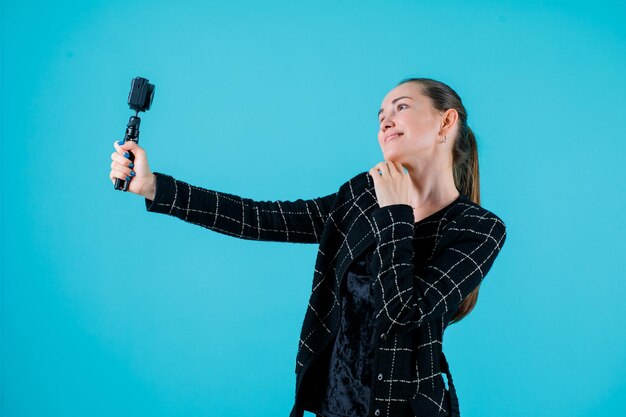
column 403, row 249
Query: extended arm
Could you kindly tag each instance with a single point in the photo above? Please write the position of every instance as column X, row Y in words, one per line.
column 299, row 221
column 407, row 296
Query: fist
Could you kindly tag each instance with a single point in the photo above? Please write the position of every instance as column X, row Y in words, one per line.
column 392, row 183
column 137, row 171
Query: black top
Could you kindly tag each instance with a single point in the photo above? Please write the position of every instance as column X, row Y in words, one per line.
column 349, row 371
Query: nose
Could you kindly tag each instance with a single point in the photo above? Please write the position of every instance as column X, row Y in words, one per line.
column 386, row 123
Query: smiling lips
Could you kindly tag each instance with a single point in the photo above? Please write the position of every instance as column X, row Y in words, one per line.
column 390, row 137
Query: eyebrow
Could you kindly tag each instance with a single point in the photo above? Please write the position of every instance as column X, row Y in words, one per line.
column 393, row 102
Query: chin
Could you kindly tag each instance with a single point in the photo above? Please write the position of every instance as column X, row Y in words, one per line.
column 392, row 156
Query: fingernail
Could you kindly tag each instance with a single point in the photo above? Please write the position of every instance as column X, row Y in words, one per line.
column 126, row 154
column 132, row 173
column 127, row 178
column 120, row 142
column 131, row 165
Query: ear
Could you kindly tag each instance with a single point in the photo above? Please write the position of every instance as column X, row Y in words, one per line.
column 448, row 120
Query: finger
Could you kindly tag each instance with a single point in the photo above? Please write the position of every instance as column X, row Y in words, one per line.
column 384, row 168
column 122, row 160
column 123, row 150
column 118, row 145
column 115, row 156
column 125, row 146
column 399, row 168
column 121, row 168
column 375, row 173
column 119, row 148
column 119, row 174
column 115, row 175
column 391, row 166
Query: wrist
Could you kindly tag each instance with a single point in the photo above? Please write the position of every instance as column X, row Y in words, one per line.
column 150, row 191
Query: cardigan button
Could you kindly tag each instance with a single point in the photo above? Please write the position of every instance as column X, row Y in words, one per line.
column 377, row 412
column 383, row 336
column 380, row 377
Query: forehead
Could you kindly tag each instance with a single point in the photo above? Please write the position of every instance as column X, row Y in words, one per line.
column 407, row 89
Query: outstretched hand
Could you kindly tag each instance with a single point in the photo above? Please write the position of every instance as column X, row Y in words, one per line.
column 391, row 183
column 142, row 181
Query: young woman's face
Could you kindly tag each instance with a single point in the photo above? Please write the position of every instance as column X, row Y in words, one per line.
column 408, row 123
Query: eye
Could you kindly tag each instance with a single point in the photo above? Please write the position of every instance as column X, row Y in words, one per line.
column 380, row 120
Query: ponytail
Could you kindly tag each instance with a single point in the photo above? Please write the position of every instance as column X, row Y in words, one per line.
column 465, row 163
column 467, row 180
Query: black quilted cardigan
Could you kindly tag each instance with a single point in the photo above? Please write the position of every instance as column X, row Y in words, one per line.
column 422, row 272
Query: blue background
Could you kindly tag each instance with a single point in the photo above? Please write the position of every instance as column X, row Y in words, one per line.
column 110, row 310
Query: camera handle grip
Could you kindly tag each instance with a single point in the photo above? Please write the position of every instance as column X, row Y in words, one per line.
column 132, row 133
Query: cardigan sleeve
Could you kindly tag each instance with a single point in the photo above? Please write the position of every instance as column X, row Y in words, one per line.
column 407, row 296
column 299, row 221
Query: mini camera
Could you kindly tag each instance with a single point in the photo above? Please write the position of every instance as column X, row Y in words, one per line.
column 139, row 99
column 141, row 94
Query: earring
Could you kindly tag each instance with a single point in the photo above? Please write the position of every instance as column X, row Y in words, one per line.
column 444, row 139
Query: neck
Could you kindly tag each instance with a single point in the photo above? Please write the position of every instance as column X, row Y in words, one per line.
column 432, row 184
